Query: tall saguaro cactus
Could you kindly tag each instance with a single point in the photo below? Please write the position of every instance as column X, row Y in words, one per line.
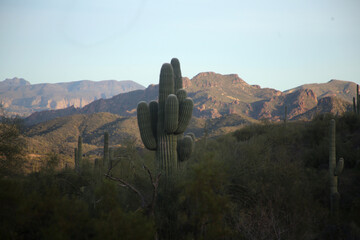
column 163, row 123
column 335, row 170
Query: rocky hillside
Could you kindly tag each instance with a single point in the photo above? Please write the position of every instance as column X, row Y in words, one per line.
column 18, row 96
column 217, row 95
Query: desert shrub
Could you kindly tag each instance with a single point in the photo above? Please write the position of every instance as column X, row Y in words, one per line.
column 11, row 147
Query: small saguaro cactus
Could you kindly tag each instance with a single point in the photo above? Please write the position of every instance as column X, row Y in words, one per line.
column 76, row 159
column 335, row 170
column 106, row 150
column 285, row 116
column 354, row 105
column 78, row 155
column 163, row 123
column 357, row 99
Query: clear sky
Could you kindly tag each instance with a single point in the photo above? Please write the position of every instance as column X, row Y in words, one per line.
column 280, row 44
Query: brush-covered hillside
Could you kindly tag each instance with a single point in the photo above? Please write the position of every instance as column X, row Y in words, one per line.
column 60, row 135
column 262, row 181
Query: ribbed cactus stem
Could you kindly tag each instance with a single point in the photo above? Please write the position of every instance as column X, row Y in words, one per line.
column 335, row 170
column 106, row 150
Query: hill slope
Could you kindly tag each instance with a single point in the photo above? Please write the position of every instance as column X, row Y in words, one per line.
column 60, row 135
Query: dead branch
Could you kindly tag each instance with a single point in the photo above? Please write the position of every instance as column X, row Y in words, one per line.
column 149, row 207
column 125, row 184
column 155, row 185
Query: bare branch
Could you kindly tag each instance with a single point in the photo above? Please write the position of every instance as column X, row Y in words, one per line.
column 155, row 189
column 125, row 184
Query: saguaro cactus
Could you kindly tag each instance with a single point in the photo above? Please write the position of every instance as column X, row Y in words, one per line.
column 357, row 99
column 163, row 123
column 106, row 150
column 76, row 159
column 354, row 105
column 285, row 116
column 78, row 155
column 335, row 170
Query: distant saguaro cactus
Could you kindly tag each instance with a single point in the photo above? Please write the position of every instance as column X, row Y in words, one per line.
column 106, row 150
column 354, row 105
column 285, row 116
column 357, row 99
column 163, row 123
column 78, row 155
column 335, row 170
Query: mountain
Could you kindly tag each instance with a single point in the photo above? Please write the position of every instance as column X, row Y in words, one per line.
column 217, row 95
column 18, row 96
column 334, row 88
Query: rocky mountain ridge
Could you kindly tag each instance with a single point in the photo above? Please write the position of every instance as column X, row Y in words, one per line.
column 216, row 95
column 19, row 96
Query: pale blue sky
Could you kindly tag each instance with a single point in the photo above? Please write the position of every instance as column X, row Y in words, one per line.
column 279, row 44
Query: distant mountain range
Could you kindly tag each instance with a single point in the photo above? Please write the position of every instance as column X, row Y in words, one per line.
column 217, row 95
column 20, row 97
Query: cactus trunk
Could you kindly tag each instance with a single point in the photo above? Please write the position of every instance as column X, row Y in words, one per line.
column 167, row 153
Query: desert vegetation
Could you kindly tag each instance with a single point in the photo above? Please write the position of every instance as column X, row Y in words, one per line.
column 263, row 181
column 266, row 180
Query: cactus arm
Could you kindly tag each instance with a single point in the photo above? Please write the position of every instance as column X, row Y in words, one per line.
column 177, row 74
column 166, row 84
column 181, row 95
column 144, row 123
column 153, row 107
column 171, row 114
column 339, row 167
column 185, row 113
column 192, row 135
column 185, row 148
